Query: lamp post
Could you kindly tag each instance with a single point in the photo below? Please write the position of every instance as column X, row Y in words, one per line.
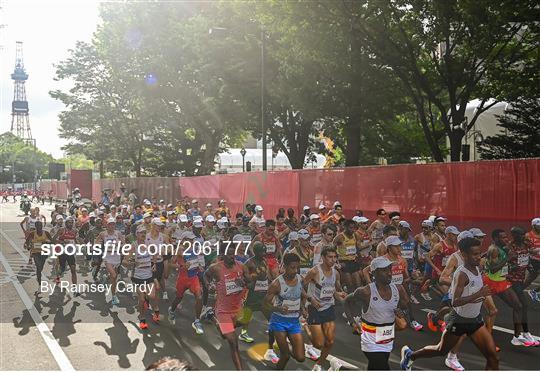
column 243, row 153
column 212, row 31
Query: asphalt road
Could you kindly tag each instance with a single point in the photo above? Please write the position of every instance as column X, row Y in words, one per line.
column 85, row 333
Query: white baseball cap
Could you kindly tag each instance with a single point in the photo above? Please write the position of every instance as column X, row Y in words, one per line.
column 157, row 221
column 303, row 234
column 322, row 206
column 451, row 230
column 59, row 217
column 363, row 219
column 293, row 235
column 111, row 220
column 259, row 208
column 465, row 234
column 210, row 218
column 147, row 214
column 476, row 232
column 380, row 263
column 314, row 217
column 147, row 202
column 336, row 203
column 306, row 207
column 208, row 204
column 197, row 218
column 535, row 221
column 427, row 223
column 141, row 228
column 405, row 225
column 356, row 219
column 197, row 223
column 92, row 214
column 194, row 201
column 238, row 238
column 183, row 218
column 392, row 240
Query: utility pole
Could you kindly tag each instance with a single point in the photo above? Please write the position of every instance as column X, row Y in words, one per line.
column 263, row 127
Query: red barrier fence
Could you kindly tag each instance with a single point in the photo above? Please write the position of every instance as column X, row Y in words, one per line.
column 166, row 188
column 59, row 188
column 486, row 194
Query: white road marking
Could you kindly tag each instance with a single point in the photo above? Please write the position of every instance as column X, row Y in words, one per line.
column 58, row 354
column 497, row 328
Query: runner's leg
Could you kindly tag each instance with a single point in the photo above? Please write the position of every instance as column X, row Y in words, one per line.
column 484, row 342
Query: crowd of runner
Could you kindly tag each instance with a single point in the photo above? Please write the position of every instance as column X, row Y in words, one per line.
column 295, row 270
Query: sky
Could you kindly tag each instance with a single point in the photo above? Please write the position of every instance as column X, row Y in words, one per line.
column 48, row 29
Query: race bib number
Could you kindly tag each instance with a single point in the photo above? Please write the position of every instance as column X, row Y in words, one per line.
column 36, row 247
column 292, row 305
column 397, row 278
column 504, row 270
column 246, row 238
column 270, row 248
column 351, row 250
column 327, row 292
column 261, row 285
column 523, row 260
column 384, row 334
column 231, row 286
column 408, row 255
column 304, row 271
column 365, row 252
column 444, row 261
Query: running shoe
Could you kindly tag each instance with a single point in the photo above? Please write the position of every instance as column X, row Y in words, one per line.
column 414, row 300
column 172, row 316
column 115, row 301
column 57, row 280
column 497, row 349
column 271, row 356
column 312, row 353
column 406, row 361
column 532, row 338
column 197, row 326
column 426, row 296
column 143, row 324
column 165, row 295
column 245, row 337
column 521, row 341
column 416, row 326
column 453, row 363
column 442, row 325
column 155, row 317
column 204, row 312
column 94, row 273
column 533, row 294
column 317, row 367
column 335, row 365
column 431, row 324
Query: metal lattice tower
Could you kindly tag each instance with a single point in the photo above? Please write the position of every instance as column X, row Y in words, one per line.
column 20, row 123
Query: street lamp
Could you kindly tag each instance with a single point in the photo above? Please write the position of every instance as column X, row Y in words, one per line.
column 263, row 127
column 243, row 153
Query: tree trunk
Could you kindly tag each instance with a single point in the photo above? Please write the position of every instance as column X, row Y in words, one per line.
column 101, row 171
column 455, row 137
column 352, row 150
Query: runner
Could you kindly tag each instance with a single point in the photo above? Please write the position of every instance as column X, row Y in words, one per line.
column 189, row 266
column 409, row 251
column 495, row 278
column 143, row 275
column 323, row 284
column 35, row 239
column 347, row 249
column 518, row 261
column 67, row 235
column 304, row 251
column 423, row 241
column 382, row 302
column 388, row 230
column 533, row 237
column 273, row 246
column 257, row 221
column 110, row 239
column 328, row 232
column 286, row 297
column 467, row 294
column 158, row 241
column 230, row 278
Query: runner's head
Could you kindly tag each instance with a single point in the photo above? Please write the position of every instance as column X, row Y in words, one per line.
column 338, row 209
column 156, row 224
column 381, row 214
column 362, row 222
column 451, row 233
column 389, row 230
column 291, row 263
column 478, row 234
column 69, row 222
column 209, row 221
column 239, row 219
column 349, row 226
column 39, row 226
column 500, row 238
column 59, row 220
column 471, row 251
column 98, row 222
column 404, row 229
column 141, row 233
column 270, row 227
column 259, row 250
column 259, row 211
column 303, row 236
column 518, row 234
column 290, row 213
column 315, row 220
column 280, row 219
column 111, row 224
column 440, row 224
column 427, row 226
column 329, row 256
column 209, row 207
column 328, row 232
column 394, row 218
column 536, row 224
column 381, row 269
column 393, row 245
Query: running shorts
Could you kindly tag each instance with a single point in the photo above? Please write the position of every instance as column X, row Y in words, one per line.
column 496, row 287
column 459, row 326
column 227, row 321
column 316, row 317
column 272, row 263
column 63, row 259
column 158, row 274
column 142, row 281
column 280, row 323
column 185, row 282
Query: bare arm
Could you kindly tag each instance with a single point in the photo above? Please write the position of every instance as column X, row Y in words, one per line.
column 446, row 275
column 463, row 280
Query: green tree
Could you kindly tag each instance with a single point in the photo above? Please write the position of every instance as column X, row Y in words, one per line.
column 521, row 136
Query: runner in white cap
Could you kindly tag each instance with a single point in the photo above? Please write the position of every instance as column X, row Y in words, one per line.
column 423, row 241
column 159, row 244
column 111, row 239
column 257, row 221
column 382, row 302
column 328, row 232
column 533, row 238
